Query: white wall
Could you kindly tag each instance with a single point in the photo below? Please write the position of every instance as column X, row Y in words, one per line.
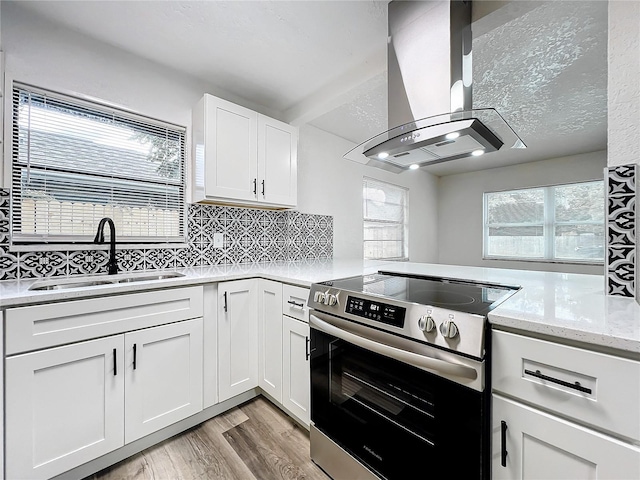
column 460, row 215
column 331, row 185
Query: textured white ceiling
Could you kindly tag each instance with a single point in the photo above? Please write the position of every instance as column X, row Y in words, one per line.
column 541, row 64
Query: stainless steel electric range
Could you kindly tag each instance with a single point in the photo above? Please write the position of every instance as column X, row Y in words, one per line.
column 399, row 376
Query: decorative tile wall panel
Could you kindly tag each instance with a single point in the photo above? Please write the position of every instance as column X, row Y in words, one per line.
column 8, row 264
column 250, row 236
column 85, row 262
column 42, row 264
column 621, row 230
column 4, row 216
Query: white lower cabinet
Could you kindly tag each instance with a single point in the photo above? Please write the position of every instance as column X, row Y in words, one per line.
column 270, row 337
column 541, row 446
column 64, row 407
column 68, row 405
column 563, row 413
column 163, row 381
column 296, row 375
column 237, row 338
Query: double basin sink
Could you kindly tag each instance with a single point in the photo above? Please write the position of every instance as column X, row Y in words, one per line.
column 96, row 280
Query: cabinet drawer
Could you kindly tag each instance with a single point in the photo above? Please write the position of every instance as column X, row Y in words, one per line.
column 545, row 374
column 42, row 326
column 294, row 302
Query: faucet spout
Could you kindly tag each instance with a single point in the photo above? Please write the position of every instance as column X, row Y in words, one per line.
column 112, row 264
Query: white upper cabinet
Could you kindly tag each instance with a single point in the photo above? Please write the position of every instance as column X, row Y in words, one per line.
column 241, row 156
column 277, row 162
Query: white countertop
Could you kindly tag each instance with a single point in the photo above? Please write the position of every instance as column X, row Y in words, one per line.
column 561, row 305
column 303, row 273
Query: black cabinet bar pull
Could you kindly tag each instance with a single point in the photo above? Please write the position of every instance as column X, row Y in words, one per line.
column 263, row 188
column 134, row 356
column 306, row 346
column 503, row 443
column 575, row 386
column 225, row 302
column 255, row 186
column 115, row 363
column 295, row 304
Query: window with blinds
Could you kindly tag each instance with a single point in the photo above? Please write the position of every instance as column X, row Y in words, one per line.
column 75, row 162
column 385, row 220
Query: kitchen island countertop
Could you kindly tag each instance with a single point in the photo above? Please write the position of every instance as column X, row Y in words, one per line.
column 570, row 307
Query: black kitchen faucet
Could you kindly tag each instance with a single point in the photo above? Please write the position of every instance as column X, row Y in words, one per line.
column 112, row 265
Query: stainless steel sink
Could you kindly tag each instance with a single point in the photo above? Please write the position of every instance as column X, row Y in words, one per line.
column 96, row 280
column 146, row 278
column 62, row 286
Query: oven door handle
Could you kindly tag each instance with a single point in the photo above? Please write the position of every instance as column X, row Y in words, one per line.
column 420, row 361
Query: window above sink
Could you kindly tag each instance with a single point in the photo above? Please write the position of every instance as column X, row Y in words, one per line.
column 75, row 161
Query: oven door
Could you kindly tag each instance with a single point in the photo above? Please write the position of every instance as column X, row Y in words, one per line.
column 398, row 420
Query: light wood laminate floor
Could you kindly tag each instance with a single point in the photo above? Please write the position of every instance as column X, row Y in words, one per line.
column 253, row 441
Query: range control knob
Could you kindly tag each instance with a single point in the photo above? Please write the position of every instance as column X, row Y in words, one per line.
column 331, row 300
column 426, row 323
column 448, row 329
column 319, row 297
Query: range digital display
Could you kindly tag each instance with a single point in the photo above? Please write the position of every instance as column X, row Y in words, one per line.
column 380, row 312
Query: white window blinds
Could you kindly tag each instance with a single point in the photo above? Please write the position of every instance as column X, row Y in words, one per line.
column 385, row 220
column 75, row 162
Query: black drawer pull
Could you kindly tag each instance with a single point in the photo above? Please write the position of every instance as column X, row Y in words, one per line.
column 503, row 443
column 255, row 186
column 115, row 363
column 263, row 188
column 306, row 345
column 575, row 386
column 225, row 302
column 295, row 304
column 134, row 356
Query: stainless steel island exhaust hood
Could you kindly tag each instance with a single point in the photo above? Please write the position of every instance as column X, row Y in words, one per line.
column 430, row 113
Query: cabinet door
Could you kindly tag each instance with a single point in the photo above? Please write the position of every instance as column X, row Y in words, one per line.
column 163, row 376
column 295, row 381
column 230, row 150
column 277, row 162
column 237, row 337
column 64, row 407
column 542, row 446
column 270, row 338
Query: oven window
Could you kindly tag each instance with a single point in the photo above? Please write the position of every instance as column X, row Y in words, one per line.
column 360, row 390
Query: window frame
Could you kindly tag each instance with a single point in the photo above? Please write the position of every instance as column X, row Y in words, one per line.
column 548, row 225
column 404, row 223
column 73, row 242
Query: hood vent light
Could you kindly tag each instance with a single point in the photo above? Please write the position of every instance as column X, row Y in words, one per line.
column 437, row 139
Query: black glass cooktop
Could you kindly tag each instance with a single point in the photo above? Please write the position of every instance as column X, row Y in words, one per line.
column 458, row 295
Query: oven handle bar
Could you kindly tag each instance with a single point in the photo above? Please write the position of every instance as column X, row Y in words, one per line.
column 420, row 361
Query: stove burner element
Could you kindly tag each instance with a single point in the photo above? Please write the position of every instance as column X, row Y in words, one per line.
column 441, row 298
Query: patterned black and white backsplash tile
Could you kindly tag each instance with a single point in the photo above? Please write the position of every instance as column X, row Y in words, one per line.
column 249, row 236
column 621, row 230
